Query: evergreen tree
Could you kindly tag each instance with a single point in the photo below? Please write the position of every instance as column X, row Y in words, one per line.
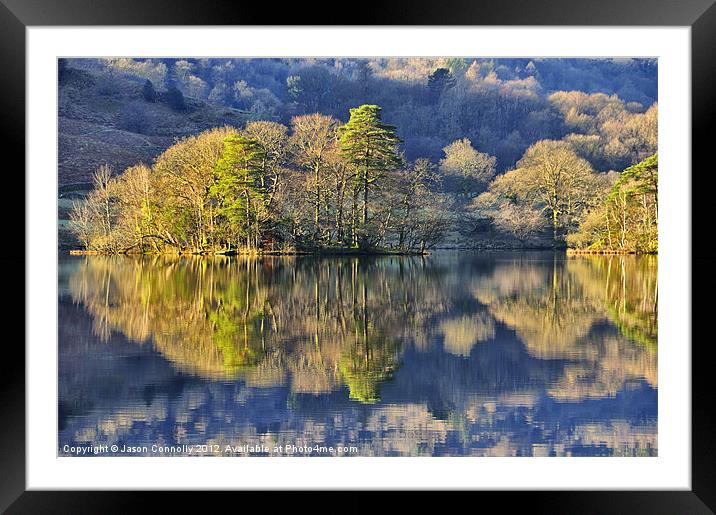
column 371, row 146
column 175, row 98
column 440, row 81
column 645, row 176
column 148, row 92
column 238, row 190
column 627, row 219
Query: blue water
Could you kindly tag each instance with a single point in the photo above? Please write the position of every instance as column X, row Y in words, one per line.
column 454, row 354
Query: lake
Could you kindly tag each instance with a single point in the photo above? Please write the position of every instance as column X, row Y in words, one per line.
column 454, row 354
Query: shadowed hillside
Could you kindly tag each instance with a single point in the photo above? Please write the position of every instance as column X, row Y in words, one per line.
column 105, row 119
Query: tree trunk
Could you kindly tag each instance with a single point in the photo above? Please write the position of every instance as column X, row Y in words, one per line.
column 554, row 227
column 316, row 171
column 364, row 221
column 339, row 216
column 365, row 198
column 354, row 221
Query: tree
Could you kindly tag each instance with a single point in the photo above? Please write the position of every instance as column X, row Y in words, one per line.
column 313, row 142
column 175, row 99
column 237, row 187
column 457, row 65
column 371, row 147
column 103, row 189
column 627, row 217
column 520, row 221
column 148, row 92
column 467, row 171
column 339, row 178
column 294, row 87
column 644, row 179
column 136, row 196
column 185, row 173
column 502, row 205
column 420, row 216
column 440, row 81
column 558, row 181
column 311, row 88
column 362, row 76
column 219, row 94
column 273, row 138
column 550, row 180
column 93, row 219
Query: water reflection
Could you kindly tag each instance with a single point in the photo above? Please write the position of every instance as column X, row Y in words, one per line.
column 454, row 354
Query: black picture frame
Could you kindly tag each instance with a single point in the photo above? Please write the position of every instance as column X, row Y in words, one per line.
column 700, row 15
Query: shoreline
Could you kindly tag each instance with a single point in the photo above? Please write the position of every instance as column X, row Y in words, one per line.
column 263, row 253
column 585, row 252
column 359, row 252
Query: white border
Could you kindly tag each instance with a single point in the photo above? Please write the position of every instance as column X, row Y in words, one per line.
column 671, row 469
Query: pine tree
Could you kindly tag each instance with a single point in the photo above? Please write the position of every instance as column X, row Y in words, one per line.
column 237, row 188
column 645, row 176
column 440, row 81
column 148, row 92
column 371, row 146
column 175, row 99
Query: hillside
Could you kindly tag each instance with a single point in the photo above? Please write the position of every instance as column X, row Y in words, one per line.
column 501, row 105
column 107, row 121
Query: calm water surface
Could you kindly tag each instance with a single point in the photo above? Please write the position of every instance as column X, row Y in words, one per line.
column 458, row 353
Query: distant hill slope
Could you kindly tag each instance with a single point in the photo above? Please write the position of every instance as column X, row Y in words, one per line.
column 502, row 105
column 107, row 121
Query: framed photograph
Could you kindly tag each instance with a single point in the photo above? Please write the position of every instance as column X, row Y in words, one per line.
column 428, row 251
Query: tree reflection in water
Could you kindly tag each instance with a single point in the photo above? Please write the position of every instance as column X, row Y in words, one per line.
column 456, row 353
